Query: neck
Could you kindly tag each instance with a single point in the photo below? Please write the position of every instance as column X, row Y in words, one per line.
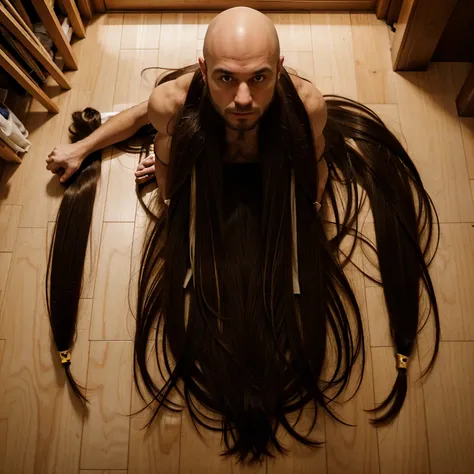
column 241, row 136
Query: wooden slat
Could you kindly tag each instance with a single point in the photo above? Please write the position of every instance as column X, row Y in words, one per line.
column 22, row 12
column 465, row 98
column 51, row 23
column 32, row 44
column 5, row 259
column 381, row 9
column 448, row 394
column 403, row 445
column 293, row 30
column 111, row 317
column 373, row 69
column 419, row 28
column 75, row 18
column 262, row 5
column 9, row 219
column 431, row 127
column 109, row 383
column 394, row 11
column 141, row 31
column 333, row 55
column 44, row 419
column 20, row 75
column 85, row 7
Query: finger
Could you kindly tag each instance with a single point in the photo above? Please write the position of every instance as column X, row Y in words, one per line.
column 53, row 167
column 150, row 160
column 145, row 171
column 144, row 179
column 67, row 174
column 140, row 167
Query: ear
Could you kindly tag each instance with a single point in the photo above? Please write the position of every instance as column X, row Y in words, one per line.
column 280, row 66
column 203, row 66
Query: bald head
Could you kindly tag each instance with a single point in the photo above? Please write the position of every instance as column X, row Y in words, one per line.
column 240, row 34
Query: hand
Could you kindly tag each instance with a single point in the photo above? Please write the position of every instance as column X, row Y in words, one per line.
column 145, row 170
column 65, row 160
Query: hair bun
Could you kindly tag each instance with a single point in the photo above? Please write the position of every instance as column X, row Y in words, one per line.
column 84, row 123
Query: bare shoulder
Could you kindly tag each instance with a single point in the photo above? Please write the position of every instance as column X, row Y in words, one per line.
column 315, row 105
column 166, row 100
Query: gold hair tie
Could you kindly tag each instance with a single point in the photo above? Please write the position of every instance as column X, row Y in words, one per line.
column 167, row 202
column 65, row 356
column 402, row 361
column 317, row 206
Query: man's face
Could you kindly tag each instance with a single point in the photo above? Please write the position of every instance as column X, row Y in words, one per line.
column 241, row 91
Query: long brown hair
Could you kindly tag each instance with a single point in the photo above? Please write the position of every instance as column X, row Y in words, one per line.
column 216, row 299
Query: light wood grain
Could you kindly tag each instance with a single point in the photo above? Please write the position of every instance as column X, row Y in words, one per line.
column 178, row 40
column 9, row 219
column 131, row 88
column 373, row 68
column 3, row 422
column 53, row 27
column 102, row 471
column 203, row 22
column 157, row 448
column 354, row 449
column 109, row 382
column 21, row 76
column 472, row 189
column 95, row 233
column 5, row 259
column 333, row 53
column 391, row 118
column 453, row 276
column 448, row 394
column 427, row 110
column 36, row 402
column 141, row 31
column 378, row 317
column 111, row 317
column 121, row 201
column 403, row 445
column 293, row 30
column 75, row 18
column 460, row 72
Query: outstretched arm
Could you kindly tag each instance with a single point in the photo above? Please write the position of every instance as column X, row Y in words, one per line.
column 68, row 157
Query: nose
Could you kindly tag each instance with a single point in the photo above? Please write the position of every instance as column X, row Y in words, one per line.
column 243, row 99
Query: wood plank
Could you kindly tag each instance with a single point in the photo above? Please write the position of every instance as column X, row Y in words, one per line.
column 378, row 317
column 262, row 5
column 24, row 15
column 44, row 419
column 9, row 219
column 131, row 87
column 3, row 423
column 20, row 75
column 453, row 276
column 448, row 394
column 427, row 109
column 85, row 7
column 465, row 98
column 109, row 383
column 19, row 30
column 53, row 27
column 102, row 471
column 293, row 30
column 403, row 445
column 157, row 448
column 472, row 188
column 5, row 259
column 354, row 449
column 373, row 69
column 381, row 9
column 178, row 39
column 111, row 317
column 332, row 51
column 419, row 28
column 121, row 201
column 75, row 18
column 141, row 31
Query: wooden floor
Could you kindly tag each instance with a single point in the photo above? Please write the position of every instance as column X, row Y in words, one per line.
column 42, row 430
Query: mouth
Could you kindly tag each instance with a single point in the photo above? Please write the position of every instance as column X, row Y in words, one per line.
column 247, row 113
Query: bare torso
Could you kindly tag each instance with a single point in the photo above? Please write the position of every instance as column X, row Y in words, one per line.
column 239, row 152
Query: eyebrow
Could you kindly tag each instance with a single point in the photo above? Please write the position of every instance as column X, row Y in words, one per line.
column 230, row 73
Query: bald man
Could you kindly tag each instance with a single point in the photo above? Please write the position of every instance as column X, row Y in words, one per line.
column 241, row 67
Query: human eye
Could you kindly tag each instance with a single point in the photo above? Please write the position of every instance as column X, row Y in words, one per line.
column 225, row 75
column 262, row 76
